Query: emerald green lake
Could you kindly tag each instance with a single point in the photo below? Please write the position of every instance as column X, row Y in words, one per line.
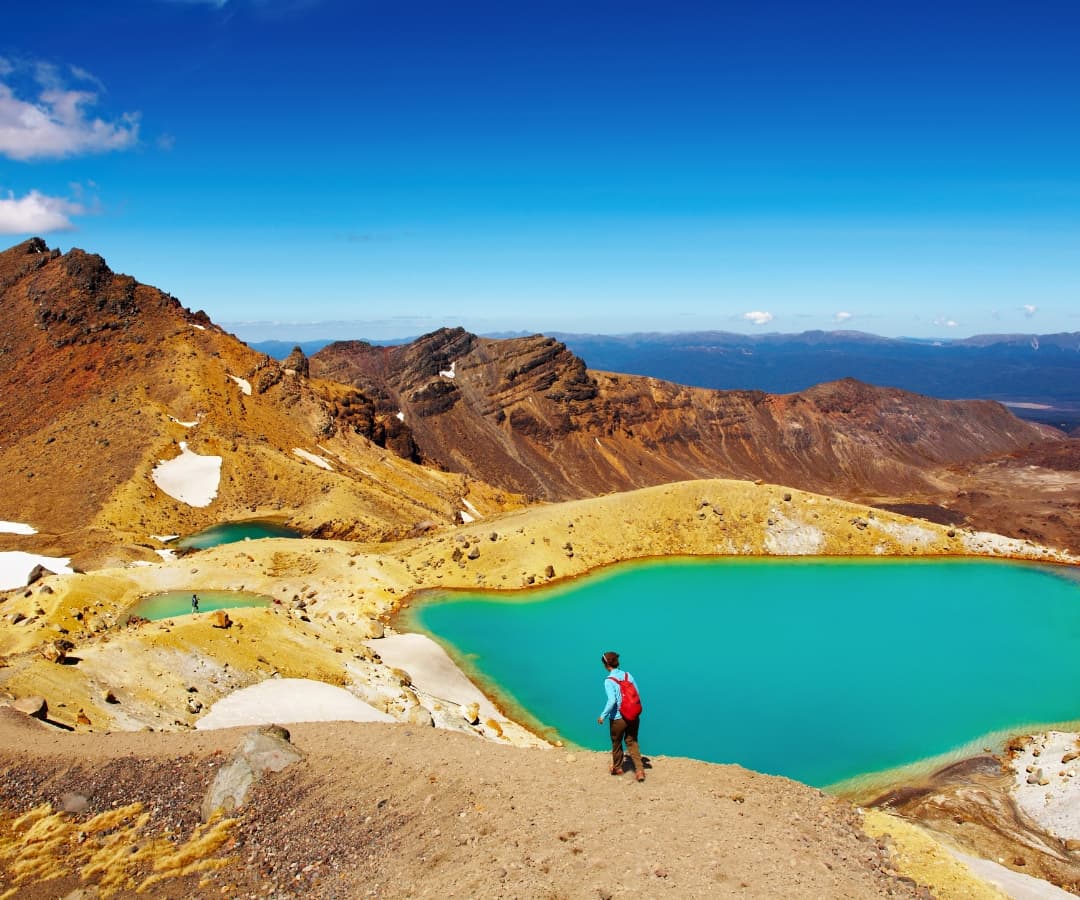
column 820, row 670
column 169, row 604
column 232, row 532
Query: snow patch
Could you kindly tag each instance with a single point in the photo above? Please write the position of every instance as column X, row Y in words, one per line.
column 16, row 566
column 245, row 385
column 473, row 513
column 184, row 424
column 283, row 700
column 189, row 477
column 400, row 416
column 198, row 327
column 167, row 555
column 16, row 528
column 432, row 671
column 449, row 373
column 164, row 538
column 312, row 458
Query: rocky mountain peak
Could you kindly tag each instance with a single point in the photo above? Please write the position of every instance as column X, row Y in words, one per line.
column 296, row 362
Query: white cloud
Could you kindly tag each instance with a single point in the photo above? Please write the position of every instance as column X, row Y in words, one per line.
column 843, row 316
column 945, row 322
column 1029, row 309
column 37, row 213
column 56, row 123
column 758, row 317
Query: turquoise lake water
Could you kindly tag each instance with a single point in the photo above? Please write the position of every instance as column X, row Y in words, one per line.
column 820, row 670
column 169, row 604
column 231, row 532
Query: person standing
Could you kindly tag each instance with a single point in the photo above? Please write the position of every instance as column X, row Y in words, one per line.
column 194, row 603
column 622, row 709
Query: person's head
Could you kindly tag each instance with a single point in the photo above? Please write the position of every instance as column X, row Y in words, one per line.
column 610, row 660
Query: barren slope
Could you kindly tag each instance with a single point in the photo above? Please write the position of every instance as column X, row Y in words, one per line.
column 103, row 377
column 527, row 415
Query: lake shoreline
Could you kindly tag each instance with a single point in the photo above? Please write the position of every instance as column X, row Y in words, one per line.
column 863, row 781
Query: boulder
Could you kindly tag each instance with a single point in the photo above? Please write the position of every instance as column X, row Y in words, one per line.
column 265, row 750
column 54, row 651
column 36, row 707
column 220, row 619
column 471, row 713
column 37, row 573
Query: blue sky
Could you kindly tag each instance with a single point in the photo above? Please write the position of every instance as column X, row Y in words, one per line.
column 378, row 168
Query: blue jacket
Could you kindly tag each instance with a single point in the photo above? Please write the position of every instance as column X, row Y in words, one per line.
column 614, row 694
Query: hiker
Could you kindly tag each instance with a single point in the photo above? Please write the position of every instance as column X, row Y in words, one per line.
column 623, row 711
column 194, row 603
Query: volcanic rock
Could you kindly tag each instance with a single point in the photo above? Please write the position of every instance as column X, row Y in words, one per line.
column 35, row 707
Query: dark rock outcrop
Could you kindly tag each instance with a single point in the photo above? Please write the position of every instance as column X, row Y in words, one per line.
column 527, row 414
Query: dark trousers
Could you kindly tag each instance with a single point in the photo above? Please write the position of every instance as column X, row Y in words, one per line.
column 625, row 730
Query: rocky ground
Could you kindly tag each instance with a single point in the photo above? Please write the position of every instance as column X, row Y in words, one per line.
column 405, row 809
column 398, row 811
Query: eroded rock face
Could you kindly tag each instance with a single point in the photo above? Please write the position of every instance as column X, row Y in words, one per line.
column 527, row 415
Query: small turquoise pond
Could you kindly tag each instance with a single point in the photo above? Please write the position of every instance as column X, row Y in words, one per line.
column 170, row 604
column 820, row 670
column 231, row 532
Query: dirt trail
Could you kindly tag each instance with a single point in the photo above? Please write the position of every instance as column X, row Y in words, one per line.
column 400, row 811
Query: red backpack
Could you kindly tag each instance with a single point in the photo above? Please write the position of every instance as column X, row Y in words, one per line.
column 630, row 699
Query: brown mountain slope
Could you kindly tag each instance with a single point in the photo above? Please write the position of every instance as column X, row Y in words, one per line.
column 525, row 413
column 103, row 377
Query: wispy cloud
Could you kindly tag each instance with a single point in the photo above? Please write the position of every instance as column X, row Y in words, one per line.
column 37, row 213
column 56, row 123
column 946, row 322
column 758, row 317
column 842, row 317
column 1029, row 309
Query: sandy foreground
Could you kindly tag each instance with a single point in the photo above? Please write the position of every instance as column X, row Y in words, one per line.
column 398, row 811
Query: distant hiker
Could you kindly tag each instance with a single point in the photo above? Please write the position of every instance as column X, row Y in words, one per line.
column 623, row 712
column 194, row 603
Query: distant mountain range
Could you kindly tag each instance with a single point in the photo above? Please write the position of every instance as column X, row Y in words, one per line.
column 526, row 414
column 1038, row 376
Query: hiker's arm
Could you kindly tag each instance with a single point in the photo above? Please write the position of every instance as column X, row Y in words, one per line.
column 612, row 704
